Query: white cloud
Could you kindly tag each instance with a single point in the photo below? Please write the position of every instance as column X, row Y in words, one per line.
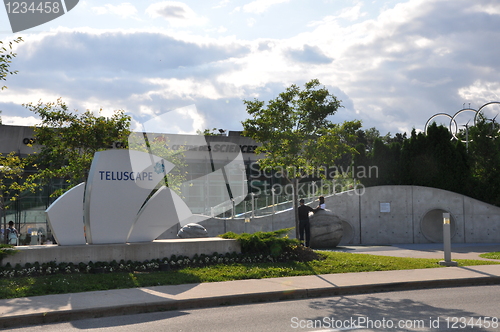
column 492, row 8
column 178, row 14
column 251, row 22
column 124, row 10
column 260, row 6
column 188, row 89
column 481, row 91
column 393, row 71
column 409, row 62
column 352, row 13
column 309, row 54
column 20, row 121
column 183, row 120
column 146, row 110
column 222, row 4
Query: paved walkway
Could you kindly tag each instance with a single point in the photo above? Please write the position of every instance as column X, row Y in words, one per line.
column 64, row 307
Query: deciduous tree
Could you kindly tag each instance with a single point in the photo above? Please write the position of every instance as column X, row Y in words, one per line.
column 67, row 141
column 11, row 170
column 6, row 56
column 296, row 135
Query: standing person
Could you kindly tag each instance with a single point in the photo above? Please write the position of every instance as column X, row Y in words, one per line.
column 321, row 205
column 304, row 226
column 11, row 235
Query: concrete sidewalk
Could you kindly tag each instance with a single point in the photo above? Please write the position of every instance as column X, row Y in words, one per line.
column 66, row 307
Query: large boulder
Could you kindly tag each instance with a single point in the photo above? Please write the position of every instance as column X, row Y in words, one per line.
column 326, row 230
column 191, row 231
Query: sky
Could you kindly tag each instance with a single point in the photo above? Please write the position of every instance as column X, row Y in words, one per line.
column 393, row 64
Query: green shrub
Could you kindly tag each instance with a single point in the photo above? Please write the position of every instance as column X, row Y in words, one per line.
column 264, row 243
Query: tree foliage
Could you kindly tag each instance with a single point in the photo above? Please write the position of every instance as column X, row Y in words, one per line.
column 68, row 141
column 11, row 170
column 210, row 132
column 6, row 56
column 484, row 153
column 295, row 133
column 435, row 160
column 431, row 160
column 385, row 158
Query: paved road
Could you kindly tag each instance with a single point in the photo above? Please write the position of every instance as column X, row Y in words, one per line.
column 449, row 309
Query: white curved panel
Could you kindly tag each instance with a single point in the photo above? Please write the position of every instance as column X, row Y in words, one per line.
column 183, row 212
column 163, row 210
column 65, row 217
column 119, row 183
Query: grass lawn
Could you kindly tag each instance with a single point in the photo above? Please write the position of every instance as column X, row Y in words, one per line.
column 333, row 262
column 491, row 255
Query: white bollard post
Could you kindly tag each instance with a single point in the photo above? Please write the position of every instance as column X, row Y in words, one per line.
column 447, row 242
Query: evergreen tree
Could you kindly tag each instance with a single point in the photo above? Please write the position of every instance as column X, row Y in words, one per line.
column 434, row 160
column 484, row 152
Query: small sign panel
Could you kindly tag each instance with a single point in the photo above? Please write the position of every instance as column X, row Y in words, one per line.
column 385, row 207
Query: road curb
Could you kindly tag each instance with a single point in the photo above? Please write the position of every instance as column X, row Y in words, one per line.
column 238, row 299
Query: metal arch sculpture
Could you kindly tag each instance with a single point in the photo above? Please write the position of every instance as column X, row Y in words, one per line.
column 454, row 133
column 453, row 121
column 435, row 116
column 480, row 109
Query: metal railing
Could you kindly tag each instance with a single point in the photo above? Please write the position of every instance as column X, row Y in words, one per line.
column 264, row 203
